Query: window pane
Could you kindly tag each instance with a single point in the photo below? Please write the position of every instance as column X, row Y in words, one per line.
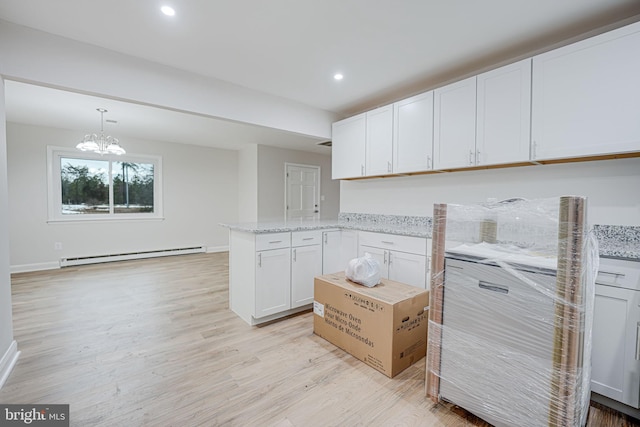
column 132, row 187
column 85, row 186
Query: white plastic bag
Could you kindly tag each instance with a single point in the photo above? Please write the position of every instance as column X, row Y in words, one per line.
column 364, row 270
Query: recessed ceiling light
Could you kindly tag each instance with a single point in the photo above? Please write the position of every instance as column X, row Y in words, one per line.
column 168, row 10
column 338, row 76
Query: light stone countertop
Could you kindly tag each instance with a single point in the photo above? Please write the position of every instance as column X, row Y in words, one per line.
column 614, row 241
column 617, row 241
column 281, row 226
column 285, row 226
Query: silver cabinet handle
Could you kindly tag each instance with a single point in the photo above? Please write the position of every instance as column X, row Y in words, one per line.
column 389, row 258
column 470, row 157
column 362, row 170
column 325, row 238
column 388, row 166
column 294, row 255
column 386, row 242
column 385, row 257
column 259, row 260
column 612, row 274
column 428, row 162
column 477, row 157
column 307, row 238
column 275, row 241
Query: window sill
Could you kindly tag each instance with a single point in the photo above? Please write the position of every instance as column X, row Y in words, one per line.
column 105, row 220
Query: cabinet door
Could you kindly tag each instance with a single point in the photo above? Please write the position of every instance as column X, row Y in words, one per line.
column 380, row 255
column 273, row 282
column 348, row 147
column 454, row 126
column 408, row 268
column 413, row 134
column 615, row 371
column 306, row 264
column 348, row 248
column 379, row 146
column 504, row 114
column 331, row 252
column 586, row 97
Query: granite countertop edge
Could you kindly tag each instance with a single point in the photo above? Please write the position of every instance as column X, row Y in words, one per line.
column 258, row 228
column 614, row 241
column 628, row 255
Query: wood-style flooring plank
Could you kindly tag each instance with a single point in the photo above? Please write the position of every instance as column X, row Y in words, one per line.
column 153, row 343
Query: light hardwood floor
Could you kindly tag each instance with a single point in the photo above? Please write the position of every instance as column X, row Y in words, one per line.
column 153, row 342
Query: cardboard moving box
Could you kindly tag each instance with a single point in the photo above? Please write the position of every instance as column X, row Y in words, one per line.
column 384, row 326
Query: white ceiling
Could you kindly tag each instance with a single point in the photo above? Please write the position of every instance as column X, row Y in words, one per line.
column 291, row 48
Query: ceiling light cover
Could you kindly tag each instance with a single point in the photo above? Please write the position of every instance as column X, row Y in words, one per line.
column 338, row 76
column 99, row 143
column 168, row 10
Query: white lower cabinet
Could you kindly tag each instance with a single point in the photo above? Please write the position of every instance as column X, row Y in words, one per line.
column 615, row 358
column 401, row 258
column 306, row 264
column 408, row 268
column 271, row 275
column 273, row 282
column 338, row 248
column 279, row 280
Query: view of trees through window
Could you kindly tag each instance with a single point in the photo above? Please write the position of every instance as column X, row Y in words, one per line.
column 86, row 187
column 132, row 187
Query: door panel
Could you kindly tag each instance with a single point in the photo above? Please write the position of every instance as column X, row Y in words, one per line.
column 303, row 192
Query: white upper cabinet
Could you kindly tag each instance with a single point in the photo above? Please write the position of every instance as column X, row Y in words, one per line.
column 504, row 115
column 379, row 140
column 454, row 127
column 413, row 134
column 586, row 97
column 348, row 147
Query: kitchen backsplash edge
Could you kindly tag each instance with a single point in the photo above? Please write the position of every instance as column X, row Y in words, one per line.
column 619, row 241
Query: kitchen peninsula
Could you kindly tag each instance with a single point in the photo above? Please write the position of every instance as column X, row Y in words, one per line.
column 272, row 264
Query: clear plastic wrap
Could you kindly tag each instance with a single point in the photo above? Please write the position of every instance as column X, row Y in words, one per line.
column 512, row 294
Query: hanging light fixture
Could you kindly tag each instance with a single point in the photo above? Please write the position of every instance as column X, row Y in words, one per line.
column 101, row 144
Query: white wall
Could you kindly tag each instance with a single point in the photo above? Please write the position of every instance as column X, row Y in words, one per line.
column 248, row 184
column 7, row 345
column 200, row 187
column 612, row 187
column 271, row 181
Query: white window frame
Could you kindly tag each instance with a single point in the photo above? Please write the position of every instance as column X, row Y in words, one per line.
column 54, row 186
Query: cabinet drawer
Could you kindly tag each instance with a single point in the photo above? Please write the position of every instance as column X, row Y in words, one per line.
column 273, row 241
column 306, row 238
column 409, row 244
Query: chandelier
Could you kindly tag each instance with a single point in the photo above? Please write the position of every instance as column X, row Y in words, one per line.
column 101, row 144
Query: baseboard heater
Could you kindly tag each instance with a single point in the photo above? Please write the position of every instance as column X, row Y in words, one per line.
column 68, row 262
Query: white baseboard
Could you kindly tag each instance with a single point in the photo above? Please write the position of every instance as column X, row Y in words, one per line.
column 8, row 361
column 212, row 249
column 25, row 268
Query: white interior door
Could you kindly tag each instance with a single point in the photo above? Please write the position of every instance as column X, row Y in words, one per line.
column 302, row 192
